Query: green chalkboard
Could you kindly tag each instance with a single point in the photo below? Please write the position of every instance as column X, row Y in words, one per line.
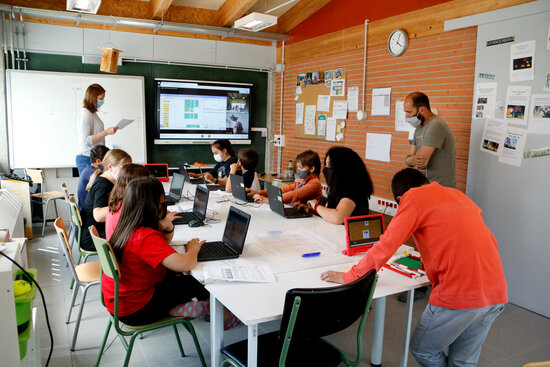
column 172, row 153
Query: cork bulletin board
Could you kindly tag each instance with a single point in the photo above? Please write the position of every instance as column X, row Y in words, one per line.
column 311, row 85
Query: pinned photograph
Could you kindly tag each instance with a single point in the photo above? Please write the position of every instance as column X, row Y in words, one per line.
column 337, row 74
column 479, row 114
column 480, row 107
column 523, row 63
column 482, row 100
column 315, row 78
column 510, row 143
column 308, row 78
column 515, row 112
column 321, row 77
column 328, row 75
column 490, row 145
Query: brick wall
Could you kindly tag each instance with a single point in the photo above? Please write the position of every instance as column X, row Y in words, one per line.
column 442, row 66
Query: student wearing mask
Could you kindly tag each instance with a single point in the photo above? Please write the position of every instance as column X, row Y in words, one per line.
column 308, row 186
column 224, row 155
column 349, row 186
column 461, row 259
column 89, row 127
column 247, row 160
column 127, row 174
column 152, row 282
column 96, row 156
column 95, row 209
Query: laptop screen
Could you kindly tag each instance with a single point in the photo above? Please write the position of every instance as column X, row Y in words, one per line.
column 275, row 199
column 201, row 202
column 236, row 228
column 176, row 187
column 237, row 187
column 158, row 170
column 365, row 231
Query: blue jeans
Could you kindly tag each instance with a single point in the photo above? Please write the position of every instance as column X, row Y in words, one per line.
column 81, row 162
column 462, row 331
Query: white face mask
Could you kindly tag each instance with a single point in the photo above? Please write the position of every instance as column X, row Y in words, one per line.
column 414, row 121
column 218, row 157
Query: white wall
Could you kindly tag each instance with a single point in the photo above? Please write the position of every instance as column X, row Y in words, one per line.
column 45, row 38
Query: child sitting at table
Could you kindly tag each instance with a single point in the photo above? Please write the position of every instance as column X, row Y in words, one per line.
column 308, row 186
column 247, row 160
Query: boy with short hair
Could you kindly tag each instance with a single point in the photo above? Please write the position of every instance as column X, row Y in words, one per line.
column 247, row 160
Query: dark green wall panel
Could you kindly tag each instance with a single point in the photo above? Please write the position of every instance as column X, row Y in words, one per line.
column 172, row 153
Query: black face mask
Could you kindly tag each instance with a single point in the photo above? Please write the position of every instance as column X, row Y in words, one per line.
column 327, row 171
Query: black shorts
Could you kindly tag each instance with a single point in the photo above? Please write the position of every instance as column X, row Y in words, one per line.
column 175, row 289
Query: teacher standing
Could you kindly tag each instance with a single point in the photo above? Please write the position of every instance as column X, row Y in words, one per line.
column 89, row 127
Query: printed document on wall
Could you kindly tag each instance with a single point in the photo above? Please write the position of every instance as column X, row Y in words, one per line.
column 539, row 119
column 514, row 145
column 353, row 99
column 340, row 109
column 309, row 120
column 493, row 136
column 381, row 98
column 517, row 104
column 331, row 129
column 378, row 147
column 299, row 113
column 400, row 123
column 522, row 61
column 323, row 103
column 486, row 94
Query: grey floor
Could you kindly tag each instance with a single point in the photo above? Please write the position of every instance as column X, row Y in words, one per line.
column 517, row 337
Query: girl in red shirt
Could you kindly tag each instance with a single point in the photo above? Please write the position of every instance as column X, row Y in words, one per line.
column 151, row 282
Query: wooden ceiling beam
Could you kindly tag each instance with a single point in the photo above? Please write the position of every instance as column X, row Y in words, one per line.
column 159, row 8
column 232, row 10
column 296, row 15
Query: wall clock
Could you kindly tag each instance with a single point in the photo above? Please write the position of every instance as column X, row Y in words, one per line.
column 398, row 42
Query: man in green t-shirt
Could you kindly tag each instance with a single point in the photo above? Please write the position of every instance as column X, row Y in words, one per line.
column 433, row 145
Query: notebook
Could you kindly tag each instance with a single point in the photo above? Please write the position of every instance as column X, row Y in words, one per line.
column 159, row 170
column 362, row 232
column 176, row 188
column 232, row 243
column 238, row 190
column 276, row 204
column 199, row 208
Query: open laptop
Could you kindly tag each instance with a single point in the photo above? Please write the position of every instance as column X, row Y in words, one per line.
column 200, row 180
column 238, row 190
column 362, row 232
column 159, row 170
column 232, row 243
column 199, row 208
column 276, row 204
column 176, row 188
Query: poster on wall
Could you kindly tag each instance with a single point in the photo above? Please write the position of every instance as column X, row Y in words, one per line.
column 522, row 61
column 485, row 100
column 353, row 99
column 323, row 103
column 381, row 98
column 493, row 136
column 517, row 104
column 299, row 113
column 321, row 126
column 539, row 120
column 337, row 87
column 331, row 129
column 513, row 147
column 309, row 120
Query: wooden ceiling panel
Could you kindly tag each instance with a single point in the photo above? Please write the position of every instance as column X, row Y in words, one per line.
column 232, row 10
column 297, row 14
column 159, row 8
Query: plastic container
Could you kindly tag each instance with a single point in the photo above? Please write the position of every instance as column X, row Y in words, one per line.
column 23, row 302
column 23, row 339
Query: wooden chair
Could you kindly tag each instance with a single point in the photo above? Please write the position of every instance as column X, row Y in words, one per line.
column 537, row 364
column 44, row 197
column 84, row 275
column 109, row 267
column 67, row 196
column 308, row 316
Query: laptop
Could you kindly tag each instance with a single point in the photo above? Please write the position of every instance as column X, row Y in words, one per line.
column 159, row 170
column 199, row 208
column 198, row 181
column 238, row 190
column 232, row 243
column 362, row 232
column 183, row 171
column 176, row 188
column 276, row 204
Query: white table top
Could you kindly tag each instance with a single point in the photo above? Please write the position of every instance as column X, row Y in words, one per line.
column 290, row 269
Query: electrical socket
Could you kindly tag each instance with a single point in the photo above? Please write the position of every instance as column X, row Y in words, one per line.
column 382, row 205
column 279, row 140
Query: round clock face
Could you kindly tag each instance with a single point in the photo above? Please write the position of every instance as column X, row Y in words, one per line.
column 398, row 42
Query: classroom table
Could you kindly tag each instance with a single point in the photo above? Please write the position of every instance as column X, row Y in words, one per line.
column 258, row 303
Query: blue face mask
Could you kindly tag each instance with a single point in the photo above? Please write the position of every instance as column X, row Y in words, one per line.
column 100, row 103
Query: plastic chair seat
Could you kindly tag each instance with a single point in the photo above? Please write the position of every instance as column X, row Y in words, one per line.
column 305, row 352
column 88, row 272
column 159, row 322
column 49, row 195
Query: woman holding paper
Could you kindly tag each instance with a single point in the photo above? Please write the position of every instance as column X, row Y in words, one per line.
column 89, row 127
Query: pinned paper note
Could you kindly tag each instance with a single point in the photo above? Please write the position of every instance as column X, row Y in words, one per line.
column 340, row 109
column 378, row 147
column 323, row 103
column 331, row 129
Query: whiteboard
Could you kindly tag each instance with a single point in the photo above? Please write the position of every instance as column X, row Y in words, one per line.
column 43, row 109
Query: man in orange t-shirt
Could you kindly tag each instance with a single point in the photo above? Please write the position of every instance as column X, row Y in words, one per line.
column 461, row 259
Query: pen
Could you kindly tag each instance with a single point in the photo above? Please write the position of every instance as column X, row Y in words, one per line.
column 311, row 254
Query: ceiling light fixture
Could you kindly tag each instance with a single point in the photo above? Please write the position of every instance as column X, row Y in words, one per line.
column 255, row 22
column 83, row 6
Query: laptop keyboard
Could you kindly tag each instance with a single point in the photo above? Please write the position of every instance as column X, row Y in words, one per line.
column 213, row 249
column 187, row 216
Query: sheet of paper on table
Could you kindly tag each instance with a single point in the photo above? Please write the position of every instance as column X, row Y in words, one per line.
column 238, row 270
